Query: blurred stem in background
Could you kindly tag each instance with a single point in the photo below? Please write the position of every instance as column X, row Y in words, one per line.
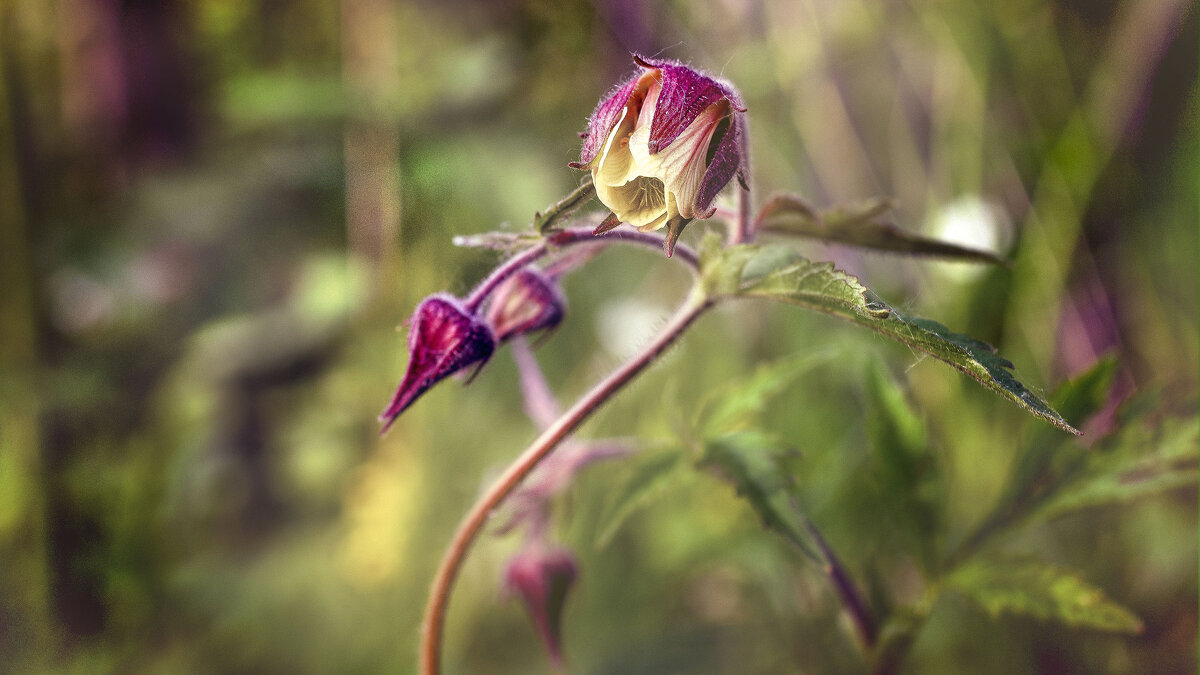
column 371, row 78
column 22, row 512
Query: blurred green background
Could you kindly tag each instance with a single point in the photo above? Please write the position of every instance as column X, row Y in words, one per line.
column 214, row 214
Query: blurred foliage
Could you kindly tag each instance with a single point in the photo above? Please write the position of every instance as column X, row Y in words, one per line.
column 214, row 214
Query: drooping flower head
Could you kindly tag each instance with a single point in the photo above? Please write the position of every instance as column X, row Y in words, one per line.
column 542, row 576
column 662, row 145
column 443, row 338
column 527, row 302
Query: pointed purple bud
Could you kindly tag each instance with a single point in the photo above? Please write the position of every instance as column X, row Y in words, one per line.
column 443, row 339
column 526, row 302
column 543, row 576
column 663, row 144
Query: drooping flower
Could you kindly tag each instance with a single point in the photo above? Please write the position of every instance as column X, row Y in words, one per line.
column 662, row 145
column 527, row 302
column 543, row 576
column 443, row 338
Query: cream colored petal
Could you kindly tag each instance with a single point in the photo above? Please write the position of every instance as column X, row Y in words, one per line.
column 639, row 202
column 665, row 218
column 681, row 164
column 614, row 166
column 655, row 224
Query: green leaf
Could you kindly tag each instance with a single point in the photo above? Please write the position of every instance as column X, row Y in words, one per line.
column 822, row 287
column 646, row 478
column 756, row 466
column 859, row 225
column 1144, row 457
column 1042, row 591
column 721, row 267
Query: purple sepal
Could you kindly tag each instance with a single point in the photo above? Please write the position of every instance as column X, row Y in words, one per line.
column 443, row 339
column 728, row 158
column 543, row 576
column 604, row 118
column 685, row 94
column 526, row 302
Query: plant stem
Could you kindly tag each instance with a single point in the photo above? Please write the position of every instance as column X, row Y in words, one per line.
column 563, row 239
column 743, row 232
column 630, row 236
column 473, row 523
column 856, row 605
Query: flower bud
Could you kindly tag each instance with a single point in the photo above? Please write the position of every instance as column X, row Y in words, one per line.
column 543, row 576
column 663, row 144
column 443, row 339
column 526, row 302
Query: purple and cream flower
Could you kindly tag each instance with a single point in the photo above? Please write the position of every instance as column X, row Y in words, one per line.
column 662, row 145
column 443, row 338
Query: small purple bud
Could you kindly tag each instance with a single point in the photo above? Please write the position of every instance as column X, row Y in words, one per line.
column 543, row 576
column 443, row 339
column 663, row 144
column 526, row 302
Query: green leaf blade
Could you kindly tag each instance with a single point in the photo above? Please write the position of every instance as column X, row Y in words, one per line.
column 1042, row 591
column 1146, row 457
column 754, row 464
column 824, row 288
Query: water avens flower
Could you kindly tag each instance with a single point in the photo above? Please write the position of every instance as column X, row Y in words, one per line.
column 662, row 145
column 527, row 302
column 443, row 338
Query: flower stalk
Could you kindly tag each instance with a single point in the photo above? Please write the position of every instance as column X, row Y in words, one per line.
column 477, row 517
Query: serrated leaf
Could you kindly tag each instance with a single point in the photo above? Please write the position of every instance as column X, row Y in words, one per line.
column 823, row 287
column 1142, row 458
column 646, row 477
column 755, row 464
column 1042, row 591
column 862, row 226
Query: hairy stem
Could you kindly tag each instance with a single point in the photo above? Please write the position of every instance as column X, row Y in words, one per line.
column 563, row 239
column 477, row 517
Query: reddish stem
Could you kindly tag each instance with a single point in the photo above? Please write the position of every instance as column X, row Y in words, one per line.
column 477, row 517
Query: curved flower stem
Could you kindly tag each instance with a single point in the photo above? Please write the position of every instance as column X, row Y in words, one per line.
column 562, row 239
column 505, row 270
column 473, row 523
